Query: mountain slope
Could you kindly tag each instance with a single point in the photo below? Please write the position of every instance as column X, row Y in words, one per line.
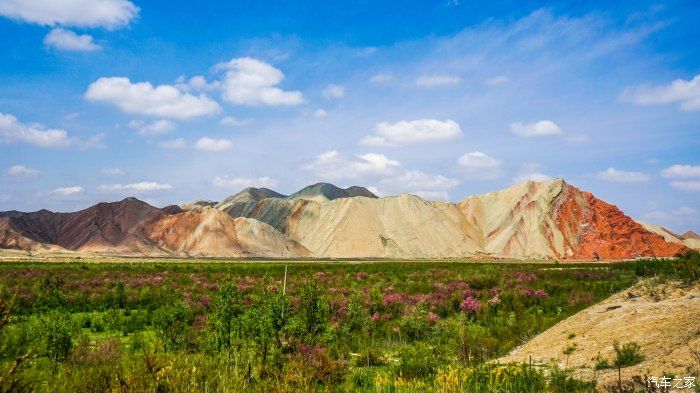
column 114, row 227
column 215, row 233
column 530, row 220
column 556, row 220
column 324, row 192
column 131, row 226
column 240, row 204
column 689, row 239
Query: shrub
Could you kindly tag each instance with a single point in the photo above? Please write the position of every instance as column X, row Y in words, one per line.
column 56, row 331
column 416, row 361
column 628, row 354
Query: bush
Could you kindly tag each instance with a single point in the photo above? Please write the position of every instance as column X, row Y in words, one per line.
column 416, row 361
column 56, row 330
column 628, row 354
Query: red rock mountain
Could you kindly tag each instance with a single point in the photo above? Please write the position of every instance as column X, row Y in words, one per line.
column 531, row 220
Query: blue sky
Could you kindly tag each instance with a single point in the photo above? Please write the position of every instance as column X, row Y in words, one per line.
column 102, row 99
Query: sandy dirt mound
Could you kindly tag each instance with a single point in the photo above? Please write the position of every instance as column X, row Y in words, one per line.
column 664, row 319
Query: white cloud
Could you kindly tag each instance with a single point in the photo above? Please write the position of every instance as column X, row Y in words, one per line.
column 381, row 78
column 145, row 99
column 110, row 14
column 682, row 172
column 684, row 92
column 418, row 181
column 233, row 122
column 480, row 165
column 21, row 171
column 67, row 40
column 682, row 217
column 249, row 81
column 689, row 185
column 111, row 171
column 437, row 80
column 66, row 191
column 333, row 91
column 95, row 141
column 497, row 80
column 154, row 128
column 319, row 113
column 410, row 132
column 211, row 144
column 178, row 143
column 12, row 130
column 652, row 160
column 441, row 196
column 196, row 83
column 135, row 188
column 241, row 182
column 618, row 176
column 531, row 172
column 331, row 165
column 540, row 128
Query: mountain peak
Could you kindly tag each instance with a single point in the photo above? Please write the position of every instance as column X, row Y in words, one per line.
column 323, row 192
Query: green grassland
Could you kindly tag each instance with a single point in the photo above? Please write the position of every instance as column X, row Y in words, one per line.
column 69, row 324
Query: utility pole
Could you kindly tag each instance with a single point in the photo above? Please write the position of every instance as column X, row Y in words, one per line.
column 284, row 285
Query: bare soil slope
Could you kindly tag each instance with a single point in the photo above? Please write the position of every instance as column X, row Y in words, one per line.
column 663, row 318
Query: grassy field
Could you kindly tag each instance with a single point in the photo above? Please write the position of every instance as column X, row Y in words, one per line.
column 130, row 325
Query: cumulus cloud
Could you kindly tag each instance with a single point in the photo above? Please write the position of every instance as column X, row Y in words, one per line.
column 21, row 171
column 110, row 14
column 66, row 191
column 67, row 40
column 411, row 132
column 437, row 80
column 12, row 130
column 237, row 183
column 111, row 171
column 145, row 99
column 233, row 122
column 153, row 128
column 211, row 144
column 540, row 128
column 618, row 176
column 135, row 188
column 178, row 143
column 480, row 165
column 252, row 82
column 332, row 165
column 531, row 172
column 497, row 80
column 333, row 91
column 319, row 113
column 196, row 83
column 682, row 172
column 684, row 92
column 417, row 181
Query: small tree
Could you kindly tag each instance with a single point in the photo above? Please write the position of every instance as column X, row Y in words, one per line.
column 228, row 309
column 628, row 354
column 56, row 330
column 313, row 311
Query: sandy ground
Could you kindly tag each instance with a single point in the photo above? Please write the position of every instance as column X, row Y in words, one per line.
column 663, row 318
